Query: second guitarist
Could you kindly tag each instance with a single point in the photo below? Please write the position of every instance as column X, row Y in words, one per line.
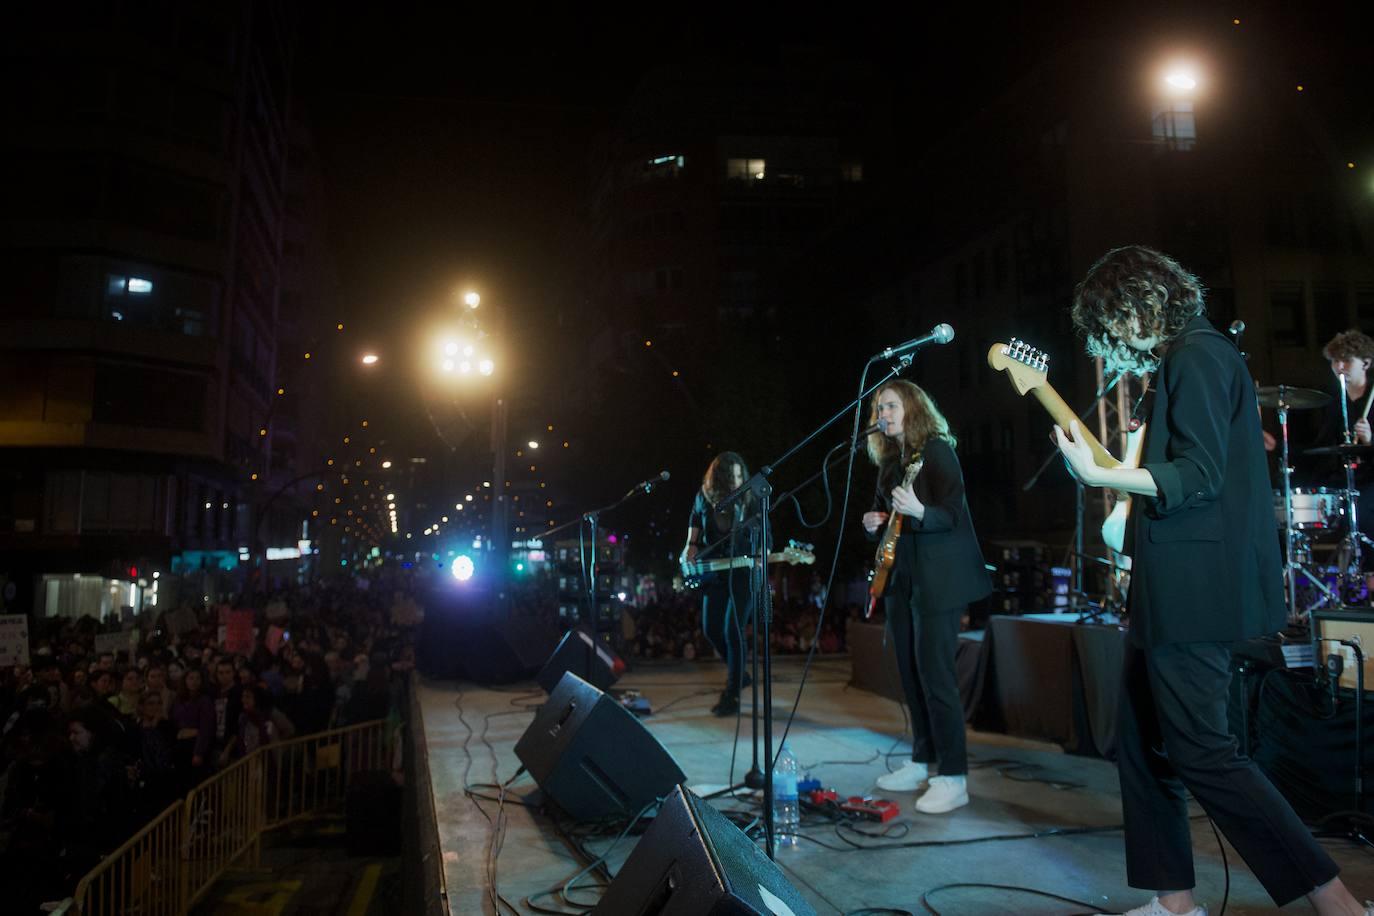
column 937, row 572
column 726, row 601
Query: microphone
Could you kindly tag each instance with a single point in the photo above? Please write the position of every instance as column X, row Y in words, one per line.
column 940, row 334
column 879, row 427
column 648, row 485
column 1236, row 329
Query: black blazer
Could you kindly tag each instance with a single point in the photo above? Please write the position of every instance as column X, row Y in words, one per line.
column 1205, row 551
column 938, row 564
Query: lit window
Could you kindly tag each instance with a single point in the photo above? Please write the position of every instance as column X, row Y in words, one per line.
column 852, row 172
column 1174, row 125
column 748, row 170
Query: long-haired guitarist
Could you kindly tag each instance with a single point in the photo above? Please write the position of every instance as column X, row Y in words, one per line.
column 1206, row 574
column 937, row 571
column 726, row 601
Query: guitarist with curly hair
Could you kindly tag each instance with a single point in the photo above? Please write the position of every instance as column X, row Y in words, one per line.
column 1206, row 574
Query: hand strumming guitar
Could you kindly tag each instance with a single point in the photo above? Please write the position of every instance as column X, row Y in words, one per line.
column 904, row 501
column 873, row 521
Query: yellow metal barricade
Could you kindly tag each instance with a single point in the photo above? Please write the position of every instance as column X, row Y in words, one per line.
column 142, row 877
column 169, row 865
column 309, row 773
column 223, row 820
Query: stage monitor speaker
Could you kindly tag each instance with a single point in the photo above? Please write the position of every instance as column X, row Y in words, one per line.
column 1352, row 624
column 585, row 656
column 592, row 757
column 693, row 861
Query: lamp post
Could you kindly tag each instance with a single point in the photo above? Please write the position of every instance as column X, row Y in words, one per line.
column 464, row 355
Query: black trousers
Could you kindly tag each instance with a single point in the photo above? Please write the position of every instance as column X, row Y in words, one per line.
column 926, row 645
column 726, row 608
column 1172, row 736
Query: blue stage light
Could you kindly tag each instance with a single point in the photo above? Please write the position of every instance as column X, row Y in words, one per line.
column 462, row 567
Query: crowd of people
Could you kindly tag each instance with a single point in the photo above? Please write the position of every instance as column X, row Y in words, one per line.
column 95, row 744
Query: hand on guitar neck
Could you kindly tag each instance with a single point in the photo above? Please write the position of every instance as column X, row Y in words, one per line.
column 1080, row 460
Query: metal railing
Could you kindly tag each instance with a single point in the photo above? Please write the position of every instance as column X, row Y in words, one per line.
column 143, row 876
column 173, row 860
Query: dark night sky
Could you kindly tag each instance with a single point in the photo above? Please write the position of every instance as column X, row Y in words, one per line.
column 455, row 149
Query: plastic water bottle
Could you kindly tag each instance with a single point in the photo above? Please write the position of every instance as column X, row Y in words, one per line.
column 786, row 811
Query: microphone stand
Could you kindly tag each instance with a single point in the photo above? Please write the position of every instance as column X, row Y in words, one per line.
column 762, row 490
column 589, row 567
column 754, row 779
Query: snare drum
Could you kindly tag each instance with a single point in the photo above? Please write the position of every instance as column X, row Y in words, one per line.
column 1314, row 508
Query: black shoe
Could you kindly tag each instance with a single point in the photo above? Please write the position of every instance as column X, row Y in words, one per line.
column 728, row 705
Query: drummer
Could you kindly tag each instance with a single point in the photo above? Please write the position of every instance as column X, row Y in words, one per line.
column 1351, row 353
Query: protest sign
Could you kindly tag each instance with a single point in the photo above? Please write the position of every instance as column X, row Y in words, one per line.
column 238, row 636
column 14, row 640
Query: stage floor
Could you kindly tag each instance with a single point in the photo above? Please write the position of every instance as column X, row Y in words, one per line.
column 842, row 736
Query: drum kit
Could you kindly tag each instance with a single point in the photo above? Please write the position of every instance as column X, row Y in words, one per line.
column 1318, row 518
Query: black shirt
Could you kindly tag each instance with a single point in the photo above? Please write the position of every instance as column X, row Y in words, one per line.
column 725, row 532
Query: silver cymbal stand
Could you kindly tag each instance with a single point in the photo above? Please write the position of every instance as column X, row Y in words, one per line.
column 1292, row 567
column 1354, row 537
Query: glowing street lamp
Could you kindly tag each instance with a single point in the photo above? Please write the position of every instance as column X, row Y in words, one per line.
column 370, row 359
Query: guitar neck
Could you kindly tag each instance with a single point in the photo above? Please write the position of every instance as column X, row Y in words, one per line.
column 735, row 562
column 1063, row 415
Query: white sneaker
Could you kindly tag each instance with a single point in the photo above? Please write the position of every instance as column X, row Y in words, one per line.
column 1155, row 908
column 945, row 794
column 908, row 779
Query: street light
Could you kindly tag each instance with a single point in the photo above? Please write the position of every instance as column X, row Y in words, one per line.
column 369, row 359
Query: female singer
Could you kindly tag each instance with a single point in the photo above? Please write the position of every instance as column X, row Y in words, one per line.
column 937, row 572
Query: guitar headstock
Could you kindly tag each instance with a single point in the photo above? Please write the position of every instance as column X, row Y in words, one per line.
column 796, row 552
column 1027, row 366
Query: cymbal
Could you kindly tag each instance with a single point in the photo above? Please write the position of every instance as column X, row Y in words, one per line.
column 1292, row 397
column 1340, row 451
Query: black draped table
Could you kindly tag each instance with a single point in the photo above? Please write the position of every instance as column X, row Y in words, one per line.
column 1041, row 676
